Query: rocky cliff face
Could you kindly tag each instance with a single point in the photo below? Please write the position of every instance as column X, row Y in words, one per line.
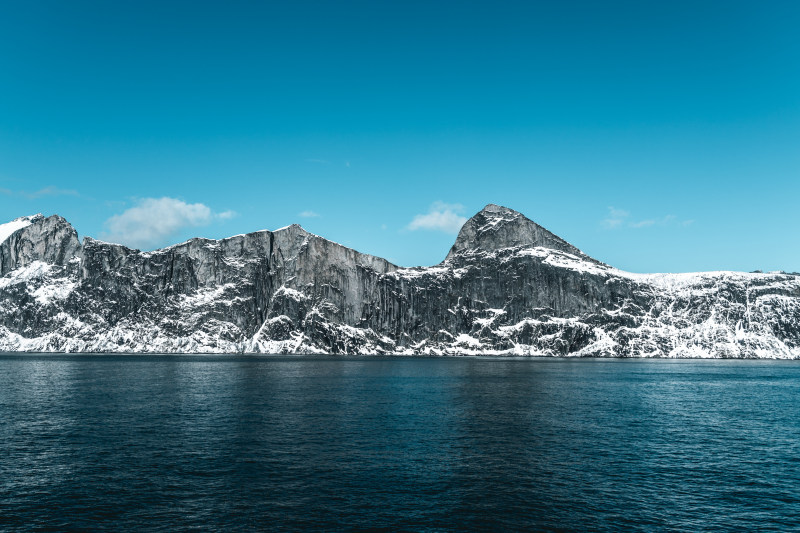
column 28, row 239
column 496, row 227
column 508, row 286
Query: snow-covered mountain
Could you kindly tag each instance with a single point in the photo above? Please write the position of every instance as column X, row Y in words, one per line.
column 508, row 286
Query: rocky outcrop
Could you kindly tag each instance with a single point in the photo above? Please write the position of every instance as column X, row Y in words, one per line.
column 508, row 286
column 496, row 227
column 50, row 240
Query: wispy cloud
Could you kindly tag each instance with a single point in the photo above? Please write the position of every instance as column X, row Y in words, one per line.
column 440, row 217
column 308, row 214
column 620, row 218
column 616, row 218
column 50, row 190
column 642, row 223
column 153, row 221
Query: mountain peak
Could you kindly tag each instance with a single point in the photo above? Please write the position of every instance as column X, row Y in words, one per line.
column 500, row 209
column 36, row 238
column 496, row 227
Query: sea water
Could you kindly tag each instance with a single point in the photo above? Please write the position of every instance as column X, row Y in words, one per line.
column 166, row 443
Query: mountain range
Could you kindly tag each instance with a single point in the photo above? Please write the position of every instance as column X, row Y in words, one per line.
column 508, row 286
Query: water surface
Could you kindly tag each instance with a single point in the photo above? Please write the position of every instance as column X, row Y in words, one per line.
column 168, row 443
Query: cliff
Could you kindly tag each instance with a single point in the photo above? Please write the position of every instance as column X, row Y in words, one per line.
column 508, row 286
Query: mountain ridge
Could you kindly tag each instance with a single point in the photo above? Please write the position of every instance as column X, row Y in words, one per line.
column 472, row 235
column 507, row 286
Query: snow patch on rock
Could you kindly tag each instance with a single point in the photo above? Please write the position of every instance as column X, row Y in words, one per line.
column 9, row 228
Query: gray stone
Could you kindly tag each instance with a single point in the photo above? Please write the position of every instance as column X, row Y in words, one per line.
column 508, row 286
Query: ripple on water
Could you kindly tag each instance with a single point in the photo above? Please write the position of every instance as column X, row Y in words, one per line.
column 242, row 443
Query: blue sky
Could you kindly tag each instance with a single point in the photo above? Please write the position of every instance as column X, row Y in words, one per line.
column 654, row 136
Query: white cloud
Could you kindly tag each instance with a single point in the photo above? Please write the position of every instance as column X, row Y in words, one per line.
column 619, row 218
column 309, row 214
column 153, row 221
column 441, row 217
column 642, row 223
column 615, row 219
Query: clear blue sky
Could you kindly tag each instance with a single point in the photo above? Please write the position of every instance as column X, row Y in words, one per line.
column 655, row 136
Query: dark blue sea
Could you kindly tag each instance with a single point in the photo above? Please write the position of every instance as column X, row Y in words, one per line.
column 239, row 443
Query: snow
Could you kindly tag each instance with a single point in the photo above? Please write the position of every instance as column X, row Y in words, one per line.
column 494, row 220
column 289, row 292
column 664, row 281
column 107, row 243
column 416, row 272
column 207, row 296
column 486, row 322
column 240, row 235
column 35, row 270
column 572, row 262
column 58, row 290
column 9, row 228
column 467, row 340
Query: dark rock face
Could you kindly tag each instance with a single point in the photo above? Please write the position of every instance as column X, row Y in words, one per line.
column 508, row 286
column 496, row 227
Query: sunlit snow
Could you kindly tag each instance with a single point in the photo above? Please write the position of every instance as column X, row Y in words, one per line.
column 8, row 229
